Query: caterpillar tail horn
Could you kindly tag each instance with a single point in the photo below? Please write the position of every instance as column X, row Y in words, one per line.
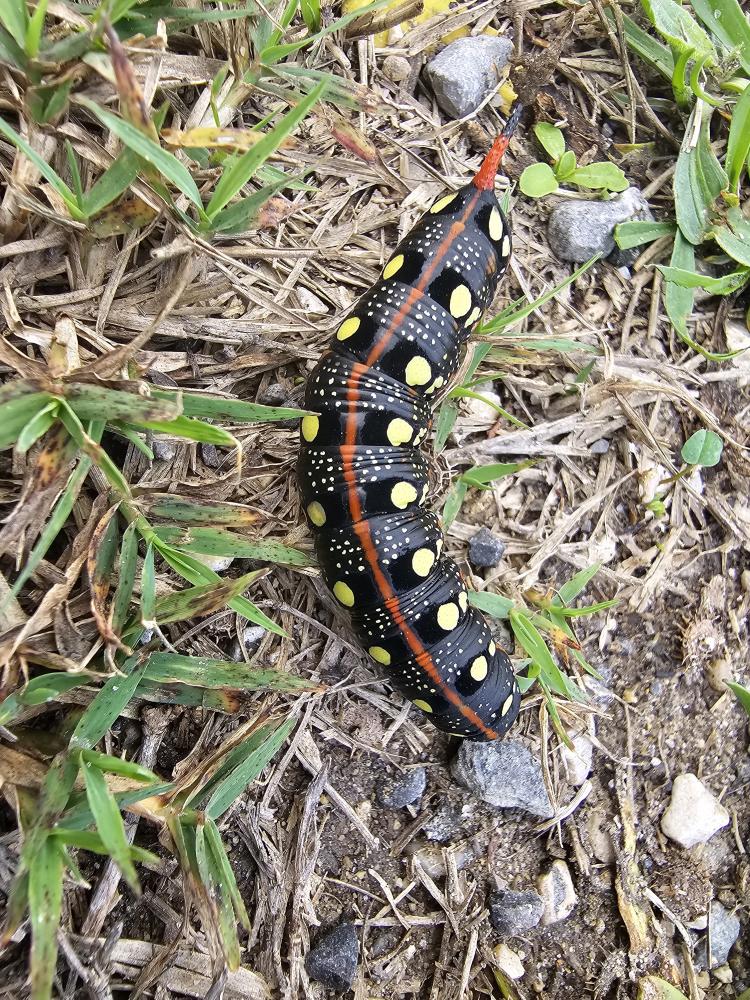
column 485, row 178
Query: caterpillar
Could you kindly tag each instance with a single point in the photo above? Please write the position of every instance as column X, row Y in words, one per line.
column 364, row 480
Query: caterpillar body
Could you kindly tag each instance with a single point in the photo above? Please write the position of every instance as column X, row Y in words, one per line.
column 364, row 481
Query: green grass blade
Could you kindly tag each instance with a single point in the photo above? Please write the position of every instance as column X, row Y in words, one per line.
column 492, row 604
column 68, row 197
column 17, row 413
column 239, row 173
column 126, row 579
column 738, row 143
column 39, row 424
column 742, row 694
column 224, row 871
column 453, row 503
column 116, row 179
column 218, row 542
column 116, row 765
column 86, row 841
column 197, row 602
column 15, row 19
column 106, row 708
column 201, row 671
column 39, row 691
column 576, row 585
column 445, row 423
column 192, row 430
column 162, row 160
column 521, row 308
column 727, row 22
column 148, row 589
column 215, row 408
column 45, row 907
column 109, row 824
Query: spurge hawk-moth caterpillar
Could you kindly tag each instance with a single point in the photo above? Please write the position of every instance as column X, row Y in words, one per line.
column 364, row 480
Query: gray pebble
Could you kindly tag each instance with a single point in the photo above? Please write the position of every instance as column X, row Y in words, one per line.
column 210, row 455
column 558, row 893
column 485, row 550
column 504, row 774
column 333, row 960
column 404, row 789
column 445, row 822
column 466, row 71
column 513, row 913
column 600, row 447
column 725, row 929
column 164, row 451
column 579, row 229
column 275, row 394
column 396, row 68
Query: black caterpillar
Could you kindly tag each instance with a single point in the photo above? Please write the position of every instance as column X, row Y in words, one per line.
column 364, row 480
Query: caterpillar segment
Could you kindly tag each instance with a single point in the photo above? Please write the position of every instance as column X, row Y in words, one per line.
column 364, row 481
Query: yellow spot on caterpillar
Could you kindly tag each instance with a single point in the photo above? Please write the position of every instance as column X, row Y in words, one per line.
column 473, row 316
column 422, row 561
column 344, row 594
column 507, row 704
column 463, row 600
column 399, row 432
column 460, row 302
column 316, row 514
column 418, row 372
column 496, row 225
column 505, row 248
column 402, row 495
column 393, row 266
column 439, row 381
column 442, row 203
column 423, row 705
column 447, row 616
column 380, row 654
column 310, row 428
column 478, row 669
column 348, row 328
column 439, row 545
column 492, row 647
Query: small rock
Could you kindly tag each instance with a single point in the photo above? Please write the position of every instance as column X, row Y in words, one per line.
column 579, row 229
column 466, row 71
column 311, row 303
column 396, row 68
column 725, row 929
column 274, row 394
column 577, row 762
column 504, row 774
column 164, row 451
column 598, row 828
column 482, row 411
column 724, row 974
column 485, row 549
column 444, row 823
column 404, row 790
column 718, row 672
column 512, row 913
column 508, row 962
column 693, row 815
column 600, row 447
column 333, row 960
column 557, row 892
column 210, row 455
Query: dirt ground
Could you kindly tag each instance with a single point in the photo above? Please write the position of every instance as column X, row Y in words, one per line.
column 311, row 844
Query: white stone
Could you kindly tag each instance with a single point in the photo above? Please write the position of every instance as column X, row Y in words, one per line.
column 693, row 815
column 508, row 962
column 557, row 892
column 577, row 761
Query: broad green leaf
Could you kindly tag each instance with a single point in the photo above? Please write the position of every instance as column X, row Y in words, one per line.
column 566, row 165
column 726, row 285
column 162, row 160
column 551, row 138
column 678, row 300
column 44, row 169
column 538, row 180
column 106, row 708
column 109, row 824
column 738, row 143
column 635, row 234
column 733, row 243
column 45, row 904
column 598, row 176
column 676, row 25
column 10, row 51
column 242, row 169
column 692, row 195
column 726, row 21
column 702, row 448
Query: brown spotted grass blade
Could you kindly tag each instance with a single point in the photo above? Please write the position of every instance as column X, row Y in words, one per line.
column 540, row 625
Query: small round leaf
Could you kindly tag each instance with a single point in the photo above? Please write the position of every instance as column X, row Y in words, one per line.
column 551, row 138
column 538, row 180
column 702, row 448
